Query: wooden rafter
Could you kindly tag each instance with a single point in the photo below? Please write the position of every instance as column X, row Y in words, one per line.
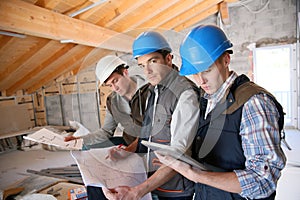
column 76, row 55
column 40, row 22
column 189, row 14
column 35, row 61
column 168, row 14
column 144, row 17
column 43, row 66
column 224, row 12
column 212, row 10
column 9, row 74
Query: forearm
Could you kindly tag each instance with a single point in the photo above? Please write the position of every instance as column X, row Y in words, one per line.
column 102, row 134
column 160, row 177
column 226, row 181
column 96, row 137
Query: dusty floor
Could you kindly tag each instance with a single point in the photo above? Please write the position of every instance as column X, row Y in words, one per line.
column 13, row 166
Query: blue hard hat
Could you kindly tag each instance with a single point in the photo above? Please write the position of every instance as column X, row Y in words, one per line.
column 149, row 42
column 202, row 46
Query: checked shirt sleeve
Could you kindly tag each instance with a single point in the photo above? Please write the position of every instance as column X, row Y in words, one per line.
column 261, row 144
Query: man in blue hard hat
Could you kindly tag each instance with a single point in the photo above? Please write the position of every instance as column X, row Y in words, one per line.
column 171, row 118
column 240, row 124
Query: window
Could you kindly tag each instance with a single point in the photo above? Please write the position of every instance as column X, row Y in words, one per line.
column 275, row 70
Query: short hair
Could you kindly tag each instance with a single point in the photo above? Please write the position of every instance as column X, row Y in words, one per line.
column 119, row 70
column 163, row 52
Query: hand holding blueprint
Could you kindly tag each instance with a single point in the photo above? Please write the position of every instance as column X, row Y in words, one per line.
column 100, row 172
column 46, row 136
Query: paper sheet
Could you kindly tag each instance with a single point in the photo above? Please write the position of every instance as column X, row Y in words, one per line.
column 101, row 172
column 46, row 136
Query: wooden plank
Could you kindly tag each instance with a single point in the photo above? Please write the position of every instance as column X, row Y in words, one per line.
column 7, row 101
column 6, row 76
column 87, row 76
column 212, row 10
column 87, row 87
column 53, row 51
column 62, row 65
column 125, row 9
column 24, row 99
column 168, row 14
column 69, row 88
column 38, row 100
column 189, row 14
column 84, row 56
column 22, row 17
column 53, row 89
column 90, row 14
column 73, row 180
column 144, row 13
column 224, row 13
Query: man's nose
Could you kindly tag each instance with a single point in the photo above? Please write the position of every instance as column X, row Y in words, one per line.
column 147, row 69
column 114, row 87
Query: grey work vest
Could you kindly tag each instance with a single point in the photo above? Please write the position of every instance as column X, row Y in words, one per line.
column 169, row 91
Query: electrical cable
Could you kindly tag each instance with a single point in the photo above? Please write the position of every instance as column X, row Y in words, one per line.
column 255, row 11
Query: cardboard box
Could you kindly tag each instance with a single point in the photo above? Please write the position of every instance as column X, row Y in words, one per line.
column 78, row 194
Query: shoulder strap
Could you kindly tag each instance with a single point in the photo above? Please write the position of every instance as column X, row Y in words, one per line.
column 245, row 91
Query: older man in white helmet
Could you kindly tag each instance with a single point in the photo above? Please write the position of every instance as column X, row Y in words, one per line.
column 113, row 71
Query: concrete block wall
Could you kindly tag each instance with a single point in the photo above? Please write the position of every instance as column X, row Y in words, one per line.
column 263, row 22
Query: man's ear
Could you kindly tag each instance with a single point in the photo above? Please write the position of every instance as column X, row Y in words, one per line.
column 169, row 58
column 125, row 72
column 227, row 59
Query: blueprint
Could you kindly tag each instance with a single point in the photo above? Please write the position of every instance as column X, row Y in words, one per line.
column 46, row 136
column 96, row 170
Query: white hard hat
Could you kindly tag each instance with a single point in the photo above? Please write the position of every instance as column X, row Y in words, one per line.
column 106, row 66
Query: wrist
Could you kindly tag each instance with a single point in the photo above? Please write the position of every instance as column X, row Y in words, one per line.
column 139, row 191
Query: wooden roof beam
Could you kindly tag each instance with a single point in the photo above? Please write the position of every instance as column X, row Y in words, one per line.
column 22, row 17
column 8, row 75
column 224, row 13
column 210, row 11
column 189, row 14
column 168, row 14
column 72, row 67
column 77, row 57
column 125, row 9
column 41, row 67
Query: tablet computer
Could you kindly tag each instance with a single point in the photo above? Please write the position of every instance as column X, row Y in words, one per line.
column 170, row 151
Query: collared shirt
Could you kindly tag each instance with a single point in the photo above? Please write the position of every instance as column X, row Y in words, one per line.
column 260, row 142
column 184, row 119
column 213, row 99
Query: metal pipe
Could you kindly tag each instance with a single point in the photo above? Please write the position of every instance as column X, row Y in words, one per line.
column 86, row 8
column 12, row 34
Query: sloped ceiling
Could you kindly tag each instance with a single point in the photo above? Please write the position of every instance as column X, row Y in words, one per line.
column 55, row 37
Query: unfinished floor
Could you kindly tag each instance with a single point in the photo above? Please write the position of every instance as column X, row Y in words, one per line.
column 13, row 166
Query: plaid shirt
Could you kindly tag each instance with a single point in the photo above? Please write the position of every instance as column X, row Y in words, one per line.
column 260, row 142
